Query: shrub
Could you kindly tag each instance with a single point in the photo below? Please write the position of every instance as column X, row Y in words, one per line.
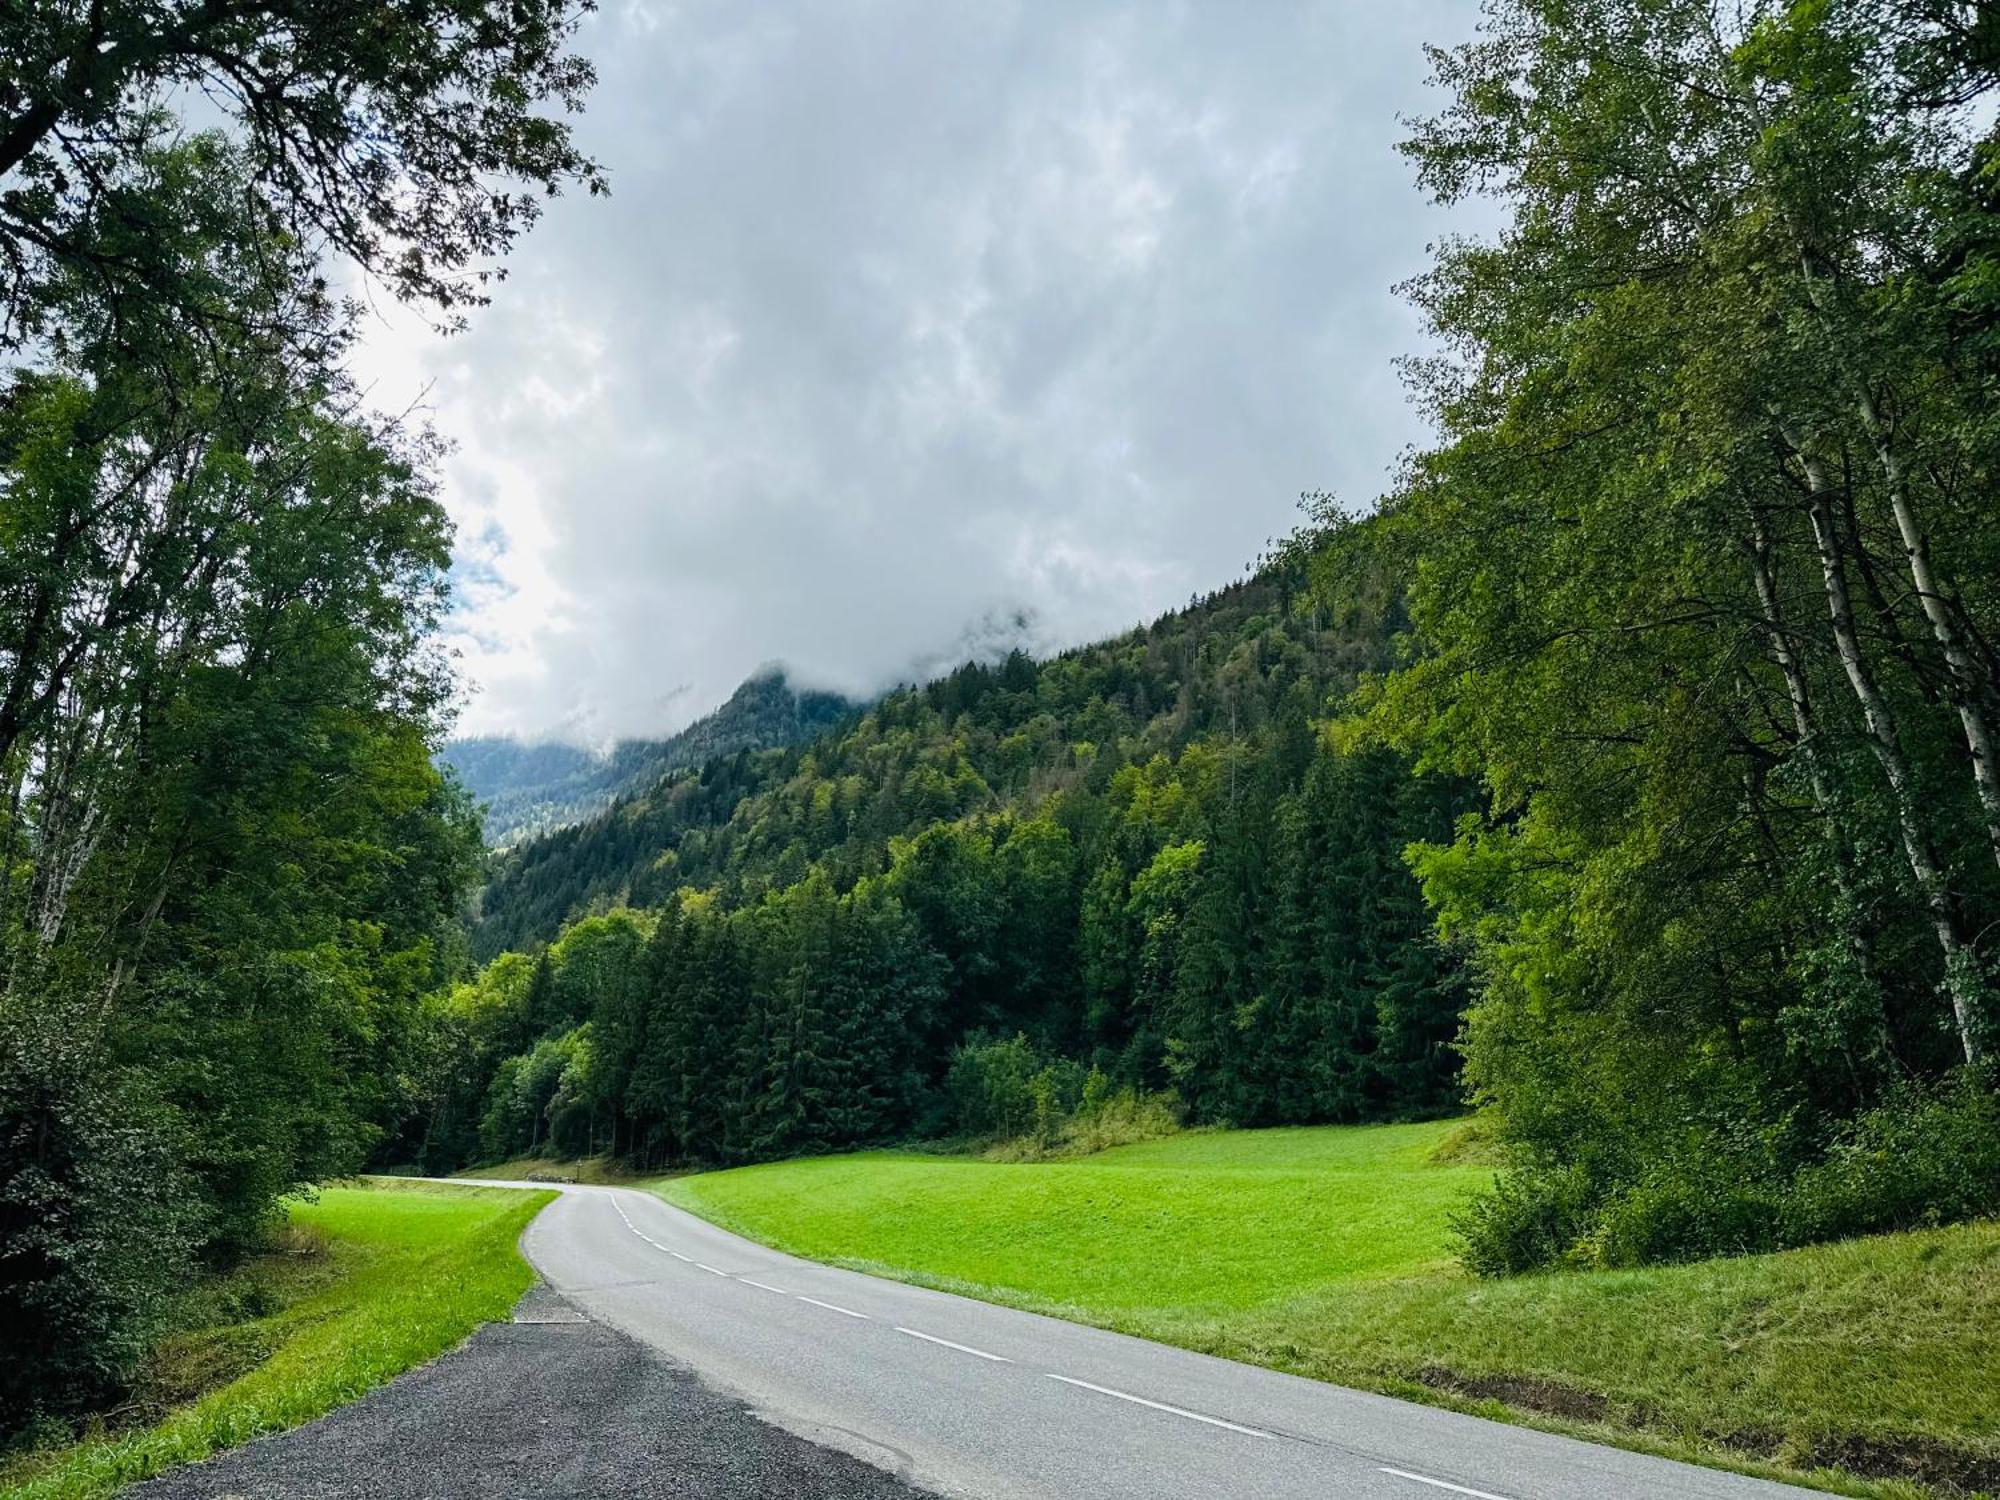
column 1005, row 1089
column 1682, row 1211
column 1927, row 1156
column 97, row 1225
column 1527, row 1222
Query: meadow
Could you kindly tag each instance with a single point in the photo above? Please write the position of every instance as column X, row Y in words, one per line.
column 1863, row 1366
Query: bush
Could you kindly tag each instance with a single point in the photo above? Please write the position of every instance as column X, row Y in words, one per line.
column 1527, row 1222
column 97, row 1225
column 1005, row 1089
column 1682, row 1211
column 1032, row 1107
column 1927, row 1156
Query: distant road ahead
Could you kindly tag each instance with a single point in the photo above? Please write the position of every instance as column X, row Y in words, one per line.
column 971, row 1399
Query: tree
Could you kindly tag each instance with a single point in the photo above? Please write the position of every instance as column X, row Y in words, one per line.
column 415, row 139
column 1715, row 386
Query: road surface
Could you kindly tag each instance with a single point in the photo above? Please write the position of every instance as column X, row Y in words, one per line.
column 548, row 1407
column 966, row 1398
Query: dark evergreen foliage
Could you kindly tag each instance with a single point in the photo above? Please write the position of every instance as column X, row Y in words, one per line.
column 1143, row 860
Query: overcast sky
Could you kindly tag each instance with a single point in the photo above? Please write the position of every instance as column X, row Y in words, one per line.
column 906, row 321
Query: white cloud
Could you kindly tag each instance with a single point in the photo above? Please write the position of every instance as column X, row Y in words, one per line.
column 906, row 319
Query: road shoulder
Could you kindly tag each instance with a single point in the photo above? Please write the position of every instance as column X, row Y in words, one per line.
column 549, row 1404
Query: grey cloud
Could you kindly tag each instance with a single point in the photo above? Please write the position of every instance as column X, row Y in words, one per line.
column 908, row 318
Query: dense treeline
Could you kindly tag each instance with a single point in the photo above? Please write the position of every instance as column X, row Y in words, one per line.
column 1705, row 571
column 1136, row 867
column 229, row 873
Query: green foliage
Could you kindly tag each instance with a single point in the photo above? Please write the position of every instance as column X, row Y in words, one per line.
column 1135, row 868
column 361, row 137
column 96, row 1223
column 229, row 873
column 1701, row 575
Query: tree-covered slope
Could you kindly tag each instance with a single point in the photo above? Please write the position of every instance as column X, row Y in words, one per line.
column 1234, row 665
column 985, row 905
column 525, row 788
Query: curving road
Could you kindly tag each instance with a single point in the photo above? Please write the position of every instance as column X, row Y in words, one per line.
column 971, row 1399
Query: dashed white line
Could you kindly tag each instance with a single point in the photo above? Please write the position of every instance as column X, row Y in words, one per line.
column 712, row 1270
column 1457, row 1489
column 830, row 1307
column 931, row 1338
column 766, row 1286
column 1179, row 1411
column 678, row 1256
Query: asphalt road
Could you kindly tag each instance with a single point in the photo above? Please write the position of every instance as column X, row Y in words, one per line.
column 965, row 1398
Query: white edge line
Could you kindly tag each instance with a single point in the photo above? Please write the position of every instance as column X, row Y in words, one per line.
column 931, row 1338
column 1457, row 1489
column 765, row 1285
column 830, row 1307
column 1179, row 1411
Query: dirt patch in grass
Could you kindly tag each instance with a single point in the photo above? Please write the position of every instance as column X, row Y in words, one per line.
column 1528, row 1392
column 1944, row 1468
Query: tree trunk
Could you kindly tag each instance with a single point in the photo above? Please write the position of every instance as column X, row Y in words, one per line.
column 1960, row 965
column 1798, row 691
column 1967, row 687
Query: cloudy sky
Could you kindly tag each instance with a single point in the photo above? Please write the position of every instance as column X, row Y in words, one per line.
column 906, row 322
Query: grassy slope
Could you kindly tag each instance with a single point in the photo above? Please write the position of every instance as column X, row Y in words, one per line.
column 1325, row 1252
column 406, row 1273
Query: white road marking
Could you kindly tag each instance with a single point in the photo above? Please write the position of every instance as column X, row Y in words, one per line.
column 1179, row 1411
column 850, row 1312
column 930, row 1338
column 765, row 1285
column 1457, row 1489
column 712, row 1270
column 678, row 1256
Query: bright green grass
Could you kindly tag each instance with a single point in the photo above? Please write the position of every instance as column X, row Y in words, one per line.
column 409, row 1271
column 1212, row 1222
column 1326, row 1252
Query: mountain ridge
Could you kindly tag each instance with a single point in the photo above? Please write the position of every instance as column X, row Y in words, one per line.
column 528, row 788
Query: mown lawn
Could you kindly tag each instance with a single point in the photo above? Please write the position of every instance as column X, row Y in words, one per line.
column 1867, row 1366
column 372, row 1281
column 1201, row 1222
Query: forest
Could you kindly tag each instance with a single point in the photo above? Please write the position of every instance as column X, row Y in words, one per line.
column 1137, row 867
column 1627, row 775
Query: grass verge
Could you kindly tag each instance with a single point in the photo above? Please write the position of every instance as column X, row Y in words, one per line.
column 369, row 1281
column 1863, row 1367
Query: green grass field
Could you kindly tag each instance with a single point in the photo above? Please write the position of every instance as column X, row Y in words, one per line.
column 369, row 1282
column 1867, row 1366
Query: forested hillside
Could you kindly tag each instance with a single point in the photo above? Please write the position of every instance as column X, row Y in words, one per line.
column 983, row 904
column 526, row 788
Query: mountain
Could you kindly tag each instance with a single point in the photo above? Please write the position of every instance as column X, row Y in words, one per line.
column 985, row 737
column 986, row 906
column 527, row 789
